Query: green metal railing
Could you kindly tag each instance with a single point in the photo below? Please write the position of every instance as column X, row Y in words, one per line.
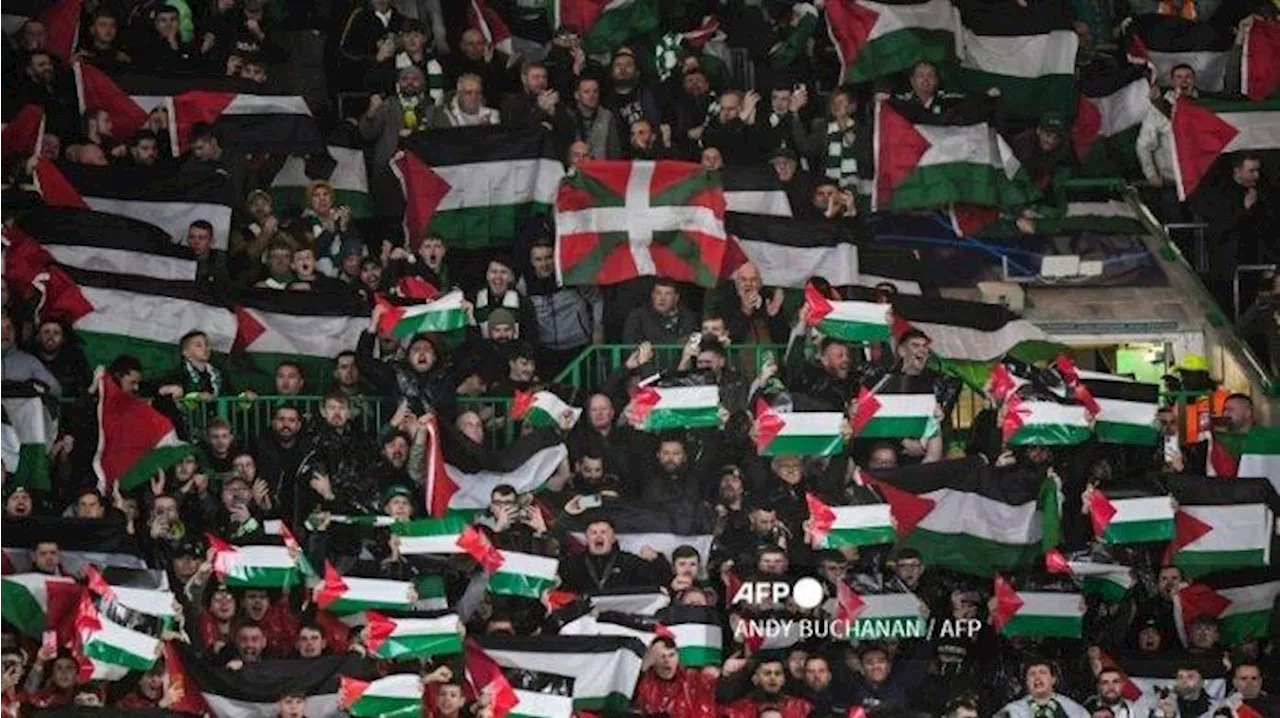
column 590, row 368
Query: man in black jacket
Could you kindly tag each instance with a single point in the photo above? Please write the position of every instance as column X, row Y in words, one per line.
column 279, row 453
column 1238, row 212
column 419, row 379
column 604, row 565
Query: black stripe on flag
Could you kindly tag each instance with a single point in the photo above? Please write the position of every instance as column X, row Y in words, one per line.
column 1134, row 391
column 1242, row 578
column 1168, row 667
column 790, row 232
column 1207, row 491
column 551, row 645
column 465, row 145
column 1171, row 34
column 1102, row 83
column 86, row 228
column 1009, row 485
column 150, row 184
column 1009, row 18
column 953, row 312
column 187, row 291
column 265, row 681
column 106, row 535
column 304, row 304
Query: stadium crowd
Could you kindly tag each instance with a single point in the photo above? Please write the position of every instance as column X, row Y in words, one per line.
column 595, row 522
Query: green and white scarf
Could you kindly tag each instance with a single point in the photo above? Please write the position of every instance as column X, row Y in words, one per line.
column 194, row 378
column 842, row 163
column 434, row 72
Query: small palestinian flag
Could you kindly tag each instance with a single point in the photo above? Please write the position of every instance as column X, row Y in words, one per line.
column 697, row 633
column 442, row 315
column 105, row 641
column 543, row 409
column 1109, row 112
column 254, row 566
column 426, row 536
column 1126, row 409
column 542, row 705
column 37, row 602
column 1204, row 131
column 342, row 595
column 402, row 639
column 34, row 431
column 1260, row 455
column 848, row 321
column 1109, row 582
column 898, row 409
column 841, row 526
column 399, row 694
column 675, row 407
column 1032, row 422
column 879, row 613
column 1241, row 601
column 1037, row 614
column 524, row 574
column 1132, row 520
column 814, row 433
column 146, row 601
column 134, row 440
column 1222, row 525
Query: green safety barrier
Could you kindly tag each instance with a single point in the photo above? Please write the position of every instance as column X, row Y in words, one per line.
column 589, row 369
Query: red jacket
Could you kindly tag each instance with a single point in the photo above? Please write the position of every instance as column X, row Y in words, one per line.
column 788, row 706
column 689, row 694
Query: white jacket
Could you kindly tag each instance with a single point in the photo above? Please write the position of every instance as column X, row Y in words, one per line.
column 1155, row 145
column 1021, row 708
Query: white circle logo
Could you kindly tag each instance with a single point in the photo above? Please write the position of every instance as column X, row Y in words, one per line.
column 807, row 593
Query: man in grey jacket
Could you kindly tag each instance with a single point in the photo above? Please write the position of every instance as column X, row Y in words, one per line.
column 592, row 123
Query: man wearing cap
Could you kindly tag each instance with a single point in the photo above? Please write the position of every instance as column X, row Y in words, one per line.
column 795, row 182
column 1044, row 149
column 625, row 94
column 384, row 123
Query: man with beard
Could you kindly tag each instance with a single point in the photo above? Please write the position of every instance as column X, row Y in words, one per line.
column 419, row 378
column 275, row 620
column 279, row 454
column 40, row 83
column 339, row 462
column 64, row 360
column 1188, row 693
column 249, row 647
column 677, row 479
column 604, row 565
column 1042, row 699
column 767, row 681
column 831, row 381
column 666, row 687
column 762, row 532
column 627, row 97
column 1110, row 687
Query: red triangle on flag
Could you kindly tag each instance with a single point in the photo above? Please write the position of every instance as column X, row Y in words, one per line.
column 1055, row 562
column 642, row 404
column 134, row 440
column 1067, row 369
column 1186, row 529
column 857, row 712
column 478, row 546
column 1199, row 600
column 333, row 587
column 423, row 190
column 54, row 188
column 98, row 91
column 189, row 697
column 818, row 305
column 850, row 24
column 662, row 631
column 1015, row 413
column 821, row 517
column 521, row 403
column 485, row 676
column 378, row 628
column 900, row 148
column 1222, row 463
column 351, row 690
column 899, row 327
column 87, row 618
column 97, row 584
column 849, row 605
column 1008, row 602
column 968, row 220
column 864, row 408
column 1101, row 511
column 414, row 287
column 248, row 329
column 768, row 425
column 21, row 135
column 1001, row 384
column 1087, row 127
column 906, row 509
column 61, row 22
column 1246, row 711
column 1199, row 137
column 196, row 107
column 439, row 487
column 559, row 598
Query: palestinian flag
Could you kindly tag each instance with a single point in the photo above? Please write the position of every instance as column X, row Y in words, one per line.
column 442, row 315
column 137, row 604
column 1027, row 52
column 1131, row 520
column 1108, row 114
column 789, row 252
column 341, row 595
column 580, row 619
column 305, row 327
column 754, row 190
column 542, row 409
column 265, row 566
column 1145, row 676
column 1203, row 131
column 525, row 466
column 101, row 542
column 1127, row 409
column 256, row 692
column 841, row 526
column 848, row 321
column 1166, row 42
column 476, row 185
column 105, row 641
column 618, row 220
column 61, row 20
column 1102, row 217
column 34, row 430
column 247, row 118
column 1037, row 614
column 22, row 134
column 878, row 39
column 640, row 600
column 1222, row 525
column 697, row 633
column 899, row 407
column 399, row 694
column 37, row 602
column 1260, row 58
column 922, row 166
column 540, row 705
column 971, row 517
column 606, row 25
column 427, row 536
column 1243, row 602
column 658, row 409
column 1109, row 582
column 109, row 244
column 524, row 574
column 342, row 167
column 799, row 29
column 1260, row 455
column 598, row 672
column 812, row 433
column 1043, row 422
column 134, row 440
column 880, row 613
column 168, row 201
column 402, row 639
column 970, row 336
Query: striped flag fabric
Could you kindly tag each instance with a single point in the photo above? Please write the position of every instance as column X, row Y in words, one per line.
column 850, row 321
column 117, row 600
column 427, row 536
column 598, row 672
column 342, row 167
column 1037, row 614
column 524, row 574
column 309, row 328
column 812, row 433
column 402, row 639
column 1146, row 676
column 490, row 25
column 247, row 118
column 640, row 600
column 38, row 602
column 476, row 185
column 798, row 29
column 1260, row 455
column 101, row 542
column 923, row 166
column 655, row 409
column 343, row 595
column 1260, row 58
column 618, row 220
column 606, row 25
column 900, row 407
column 399, row 694
column 1131, row 520
column 962, row 331
column 438, row 316
column 754, row 190
column 1108, row 115
column 105, row 641
column 1203, row 131
column 791, row 251
column 525, row 466
column 583, row 620
column 877, row 39
column 697, row 632
column 1127, row 409
column 543, row 409
column 256, row 692
column 34, row 430
column 1110, row 582
column 880, row 613
column 1222, row 525
column 1166, row 42
column 1044, row 422
column 134, row 440
column 530, row 704
column 1243, row 603
column 108, row 244
column 263, row 566
column 971, row 517
column 1028, row 52
column 841, row 526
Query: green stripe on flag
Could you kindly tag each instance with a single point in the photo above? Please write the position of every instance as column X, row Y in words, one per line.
column 1198, row 563
column 691, row 418
column 870, row 536
column 1139, row 531
column 19, row 607
column 33, row 468
column 895, row 427
column 1104, row 589
column 901, row 50
column 386, row 707
column 425, row 646
column 785, row 445
column 1044, row 626
column 697, row 656
column 1111, row 432
column 969, row 553
column 514, row 584
column 158, row 459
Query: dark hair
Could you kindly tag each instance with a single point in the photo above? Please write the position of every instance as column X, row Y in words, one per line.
column 1053, row 669
column 684, row 551
column 922, row 63
column 164, row 9
column 913, row 333
column 336, row 396
column 666, row 282
column 141, row 135
column 289, row 362
column 665, row 642
column 288, row 407
column 202, row 131
column 1181, row 66
column 577, row 83
column 1238, row 161
column 204, row 224
column 182, row 343
column 602, row 520
column 503, row 490
column 122, row 365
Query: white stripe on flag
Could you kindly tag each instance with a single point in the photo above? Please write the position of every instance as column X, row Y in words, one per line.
column 155, row 318
column 906, row 405
column 1043, row 603
column 767, row 202
column 1210, row 67
column 505, row 183
column 1236, row 527
column 173, row 218
column 975, row 515
column 1024, row 56
column 243, row 104
column 1258, row 130
column 474, row 489
column 122, row 261
column 786, row 266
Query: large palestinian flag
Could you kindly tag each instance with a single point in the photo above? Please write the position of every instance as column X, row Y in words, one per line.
column 247, row 118
column 342, row 167
column 876, row 39
column 1222, row 525
column 108, row 243
column 256, row 692
column 1027, row 51
column 1243, row 602
column 618, row 220
column 1109, row 112
column 34, row 431
column 922, row 166
column 134, row 440
column 1166, row 42
column 606, row 25
column 598, row 672
column 1203, row 131
column 972, row 517
column 525, row 466
column 101, row 542
column 1260, row 58
column 476, row 185
column 754, row 190
column 1037, row 614
column 1127, row 409
column 309, row 328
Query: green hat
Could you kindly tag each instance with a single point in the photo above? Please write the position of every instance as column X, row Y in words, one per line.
column 396, row 490
column 1054, row 122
